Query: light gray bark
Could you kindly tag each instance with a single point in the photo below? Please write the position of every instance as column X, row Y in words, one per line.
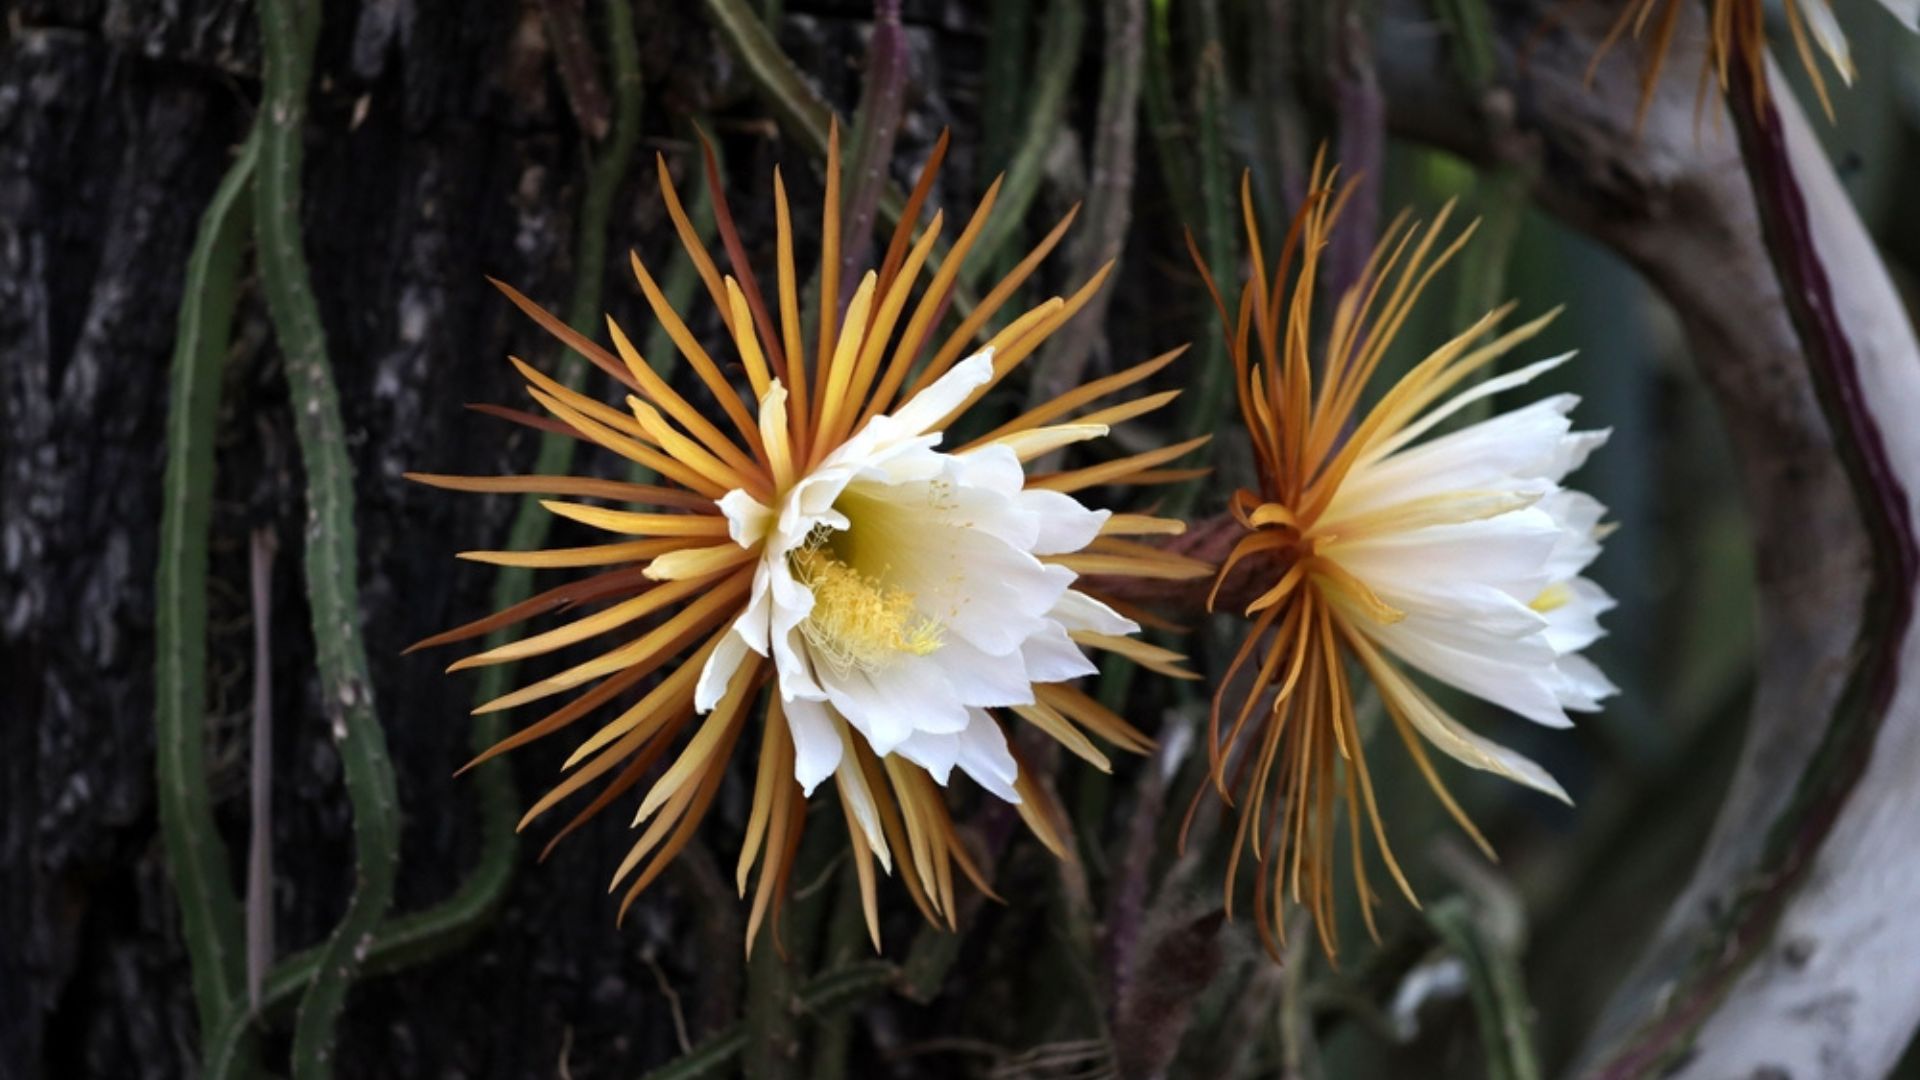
column 1830, row 989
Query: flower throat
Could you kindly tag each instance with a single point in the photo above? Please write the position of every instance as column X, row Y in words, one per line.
column 857, row 623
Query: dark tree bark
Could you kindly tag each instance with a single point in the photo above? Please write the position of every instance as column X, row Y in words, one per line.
column 440, row 148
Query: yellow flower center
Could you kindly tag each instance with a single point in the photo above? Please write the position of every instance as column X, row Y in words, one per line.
column 858, row 623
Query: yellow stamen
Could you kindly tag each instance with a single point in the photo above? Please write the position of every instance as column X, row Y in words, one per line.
column 793, row 398
column 857, row 623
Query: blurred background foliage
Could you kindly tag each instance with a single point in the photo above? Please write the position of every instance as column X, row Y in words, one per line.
column 1117, row 961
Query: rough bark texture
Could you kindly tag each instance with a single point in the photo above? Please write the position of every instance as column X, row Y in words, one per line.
column 440, row 149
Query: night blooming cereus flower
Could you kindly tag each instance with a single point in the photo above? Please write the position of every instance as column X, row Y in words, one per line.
column 1456, row 556
column 817, row 558
column 1738, row 29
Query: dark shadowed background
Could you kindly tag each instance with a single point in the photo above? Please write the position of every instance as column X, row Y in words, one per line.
column 447, row 141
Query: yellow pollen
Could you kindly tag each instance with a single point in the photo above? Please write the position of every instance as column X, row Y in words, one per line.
column 856, row 622
column 1551, row 597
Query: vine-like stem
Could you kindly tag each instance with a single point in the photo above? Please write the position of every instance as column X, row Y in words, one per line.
column 822, row 997
column 332, row 567
column 1496, row 989
column 1103, row 238
column 1043, row 108
column 259, row 906
column 1205, row 401
column 196, row 856
column 803, row 112
column 419, row 936
column 875, row 124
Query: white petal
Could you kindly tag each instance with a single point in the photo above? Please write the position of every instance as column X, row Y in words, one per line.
column 1577, row 515
column 853, row 789
column 979, row 679
column 985, row 757
column 1504, row 453
column 1078, row 611
column 930, row 406
column 905, row 462
column 1462, row 602
column 720, row 667
column 966, row 496
column 1508, row 553
column 936, row 752
column 1052, row 657
column 1576, row 448
column 1828, row 35
column 810, row 504
column 1574, row 623
column 792, row 602
column 754, row 622
column 816, row 745
column 889, row 704
column 773, row 426
column 1582, row 685
column 1485, row 388
column 991, row 468
column 976, row 586
column 1450, row 738
column 1907, row 11
column 748, row 520
column 1498, row 671
column 1065, row 525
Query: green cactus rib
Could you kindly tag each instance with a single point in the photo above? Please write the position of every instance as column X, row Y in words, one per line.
column 801, row 109
column 196, row 856
column 331, row 564
column 1497, row 992
column 1207, row 401
column 1045, row 109
column 804, row 113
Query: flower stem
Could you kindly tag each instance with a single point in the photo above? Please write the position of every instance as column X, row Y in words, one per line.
column 332, row 570
column 823, row 997
column 1204, row 405
column 801, row 111
column 1044, row 106
column 196, row 856
column 875, row 124
column 1103, row 238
